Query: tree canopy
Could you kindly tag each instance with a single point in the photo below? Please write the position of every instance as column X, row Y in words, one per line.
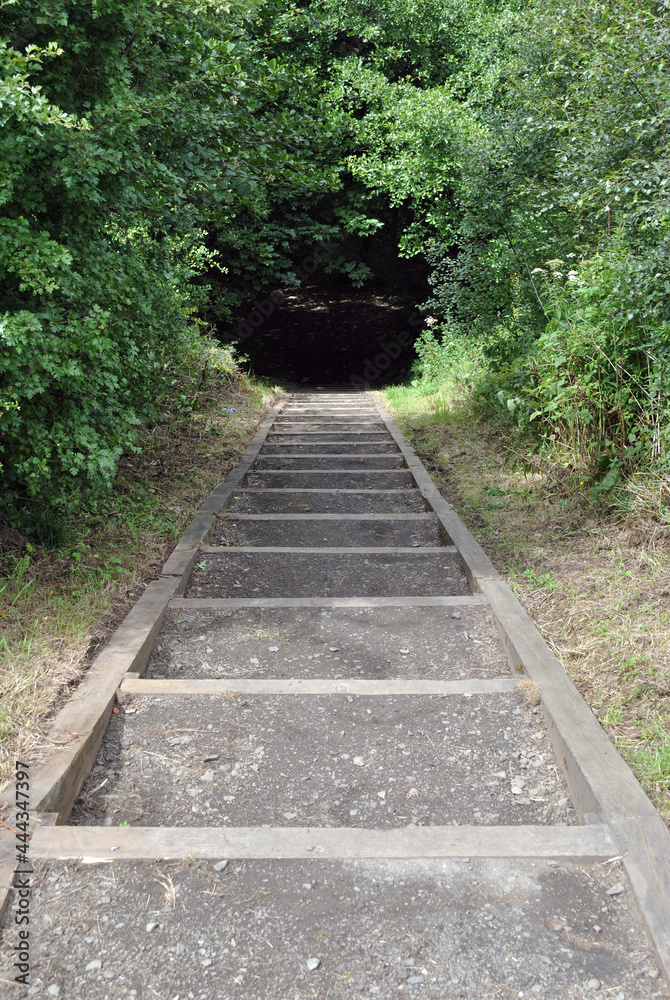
column 163, row 161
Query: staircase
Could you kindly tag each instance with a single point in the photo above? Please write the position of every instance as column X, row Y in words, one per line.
column 329, row 751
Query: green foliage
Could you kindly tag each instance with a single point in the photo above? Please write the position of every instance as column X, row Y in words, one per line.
column 599, row 377
column 449, row 358
column 139, row 146
column 537, row 171
column 161, row 162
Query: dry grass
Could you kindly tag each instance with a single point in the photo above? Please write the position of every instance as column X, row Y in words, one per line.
column 530, row 692
column 595, row 581
column 59, row 606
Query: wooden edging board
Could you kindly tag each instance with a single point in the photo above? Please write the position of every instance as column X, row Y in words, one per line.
column 104, row 844
column 77, row 730
column 361, row 687
column 232, row 517
column 225, row 603
column 601, row 784
column 332, row 550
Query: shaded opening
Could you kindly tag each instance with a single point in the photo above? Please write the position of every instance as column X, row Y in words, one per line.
column 329, row 333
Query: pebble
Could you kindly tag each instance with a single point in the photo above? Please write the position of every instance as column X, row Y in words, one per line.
column 553, row 864
column 220, row 865
column 654, row 974
column 404, row 652
column 207, row 776
column 93, row 966
column 456, row 614
column 104, row 899
column 415, row 980
column 151, row 926
column 594, row 984
column 313, row 964
column 53, row 990
column 616, row 889
column 358, row 761
column 273, row 649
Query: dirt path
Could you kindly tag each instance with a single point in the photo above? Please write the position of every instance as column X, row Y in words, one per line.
column 322, row 777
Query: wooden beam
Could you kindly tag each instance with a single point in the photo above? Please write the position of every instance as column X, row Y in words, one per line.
column 230, row 517
column 332, row 550
column 314, row 489
column 177, row 688
column 223, row 603
column 89, row 844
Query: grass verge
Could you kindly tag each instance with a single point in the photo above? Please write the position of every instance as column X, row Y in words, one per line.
column 595, row 580
column 60, row 604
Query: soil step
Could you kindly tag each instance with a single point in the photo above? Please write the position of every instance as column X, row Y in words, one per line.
column 363, row 642
column 421, row 531
column 369, row 501
column 439, row 929
column 322, row 410
column 335, row 479
column 329, row 437
column 340, row 416
column 326, row 760
column 345, row 415
column 328, row 573
column 344, row 419
column 326, row 425
column 344, row 462
column 330, row 448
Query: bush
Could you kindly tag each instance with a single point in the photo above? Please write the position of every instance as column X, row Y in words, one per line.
column 600, row 380
column 448, row 359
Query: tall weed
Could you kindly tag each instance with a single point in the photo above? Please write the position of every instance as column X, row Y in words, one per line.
column 598, row 380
